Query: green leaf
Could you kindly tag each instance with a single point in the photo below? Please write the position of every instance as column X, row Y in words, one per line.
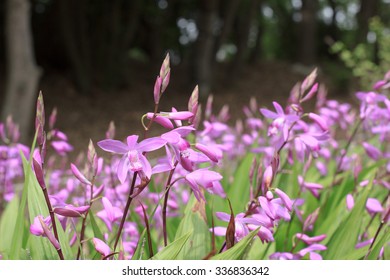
column 238, row 192
column 238, row 250
column 356, row 254
column 173, row 249
column 258, row 250
column 96, row 230
column 199, row 244
column 20, row 226
column 344, row 239
column 7, row 225
column 41, row 248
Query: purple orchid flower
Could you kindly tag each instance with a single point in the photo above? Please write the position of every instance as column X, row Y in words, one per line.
column 281, row 121
column 133, row 158
column 205, row 178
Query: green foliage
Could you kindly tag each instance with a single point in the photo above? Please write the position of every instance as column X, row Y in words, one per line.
column 238, row 250
column 344, row 239
column 368, row 61
column 194, row 221
column 172, row 251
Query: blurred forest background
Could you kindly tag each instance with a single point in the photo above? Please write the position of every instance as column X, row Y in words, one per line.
column 96, row 60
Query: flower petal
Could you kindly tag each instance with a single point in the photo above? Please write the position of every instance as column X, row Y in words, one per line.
column 123, row 169
column 113, row 146
column 151, row 144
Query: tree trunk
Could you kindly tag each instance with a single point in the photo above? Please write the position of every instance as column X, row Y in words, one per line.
column 308, row 31
column 244, row 26
column 22, row 71
column 205, row 57
column 368, row 9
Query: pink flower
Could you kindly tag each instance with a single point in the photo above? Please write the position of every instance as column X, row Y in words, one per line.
column 101, row 247
column 204, row 178
column 133, row 158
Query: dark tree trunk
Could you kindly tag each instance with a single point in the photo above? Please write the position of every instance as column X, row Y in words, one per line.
column 245, row 22
column 257, row 50
column 308, row 32
column 205, row 55
column 368, row 9
column 228, row 19
column 22, row 71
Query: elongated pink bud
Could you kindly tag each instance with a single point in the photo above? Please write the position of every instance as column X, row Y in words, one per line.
column 350, row 201
column 92, row 158
column 110, row 133
column 76, row 172
column 163, row 121
column 209, row 107
column 39, row 174
column 165, row 81
column 309, row 80
column 212, row 153
column 285, row 198
column 372, row 151
column 53, row 118
column 310, row 220
column 310, row 240
column 165, row 67
column 193, row 101
column 71, row 211
column 48, row 234
column 319, row 120
column 268, row 177
column 157, row 89
column 101, row 247
column 182, row 115
column 311, row 93
column 40, row 119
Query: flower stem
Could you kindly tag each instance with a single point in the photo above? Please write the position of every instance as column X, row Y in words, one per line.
column 82, row 232
column 164, row 210
column 53, row 221
column 147, row 128
column 129, row 200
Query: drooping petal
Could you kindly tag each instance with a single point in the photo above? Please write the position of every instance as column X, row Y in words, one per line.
column 113, row 146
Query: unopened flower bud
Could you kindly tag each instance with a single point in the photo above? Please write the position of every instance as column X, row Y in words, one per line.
column 157, row 90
